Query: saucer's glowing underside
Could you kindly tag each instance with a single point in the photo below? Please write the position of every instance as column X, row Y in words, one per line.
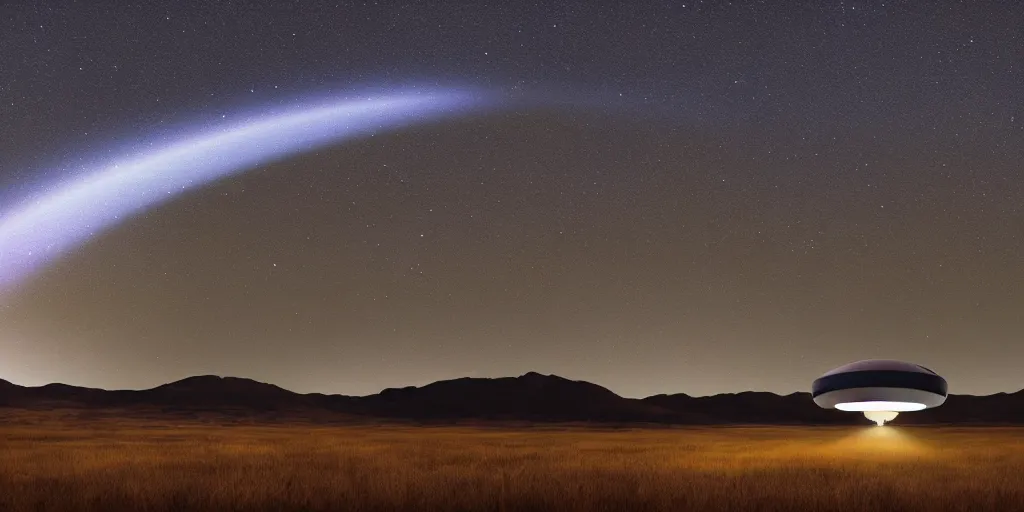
column 880, row 406
column 880, row 399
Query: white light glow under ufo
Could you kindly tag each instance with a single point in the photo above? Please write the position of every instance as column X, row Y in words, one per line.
column 36, row 232
column 880, row 406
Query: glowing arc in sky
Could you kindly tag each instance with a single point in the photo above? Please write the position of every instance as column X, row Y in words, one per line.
column 34, row 234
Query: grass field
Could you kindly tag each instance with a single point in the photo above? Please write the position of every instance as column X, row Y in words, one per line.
column 49, row 464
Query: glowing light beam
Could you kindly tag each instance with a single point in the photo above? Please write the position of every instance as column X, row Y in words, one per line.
column 880, row 417
column 34, row 234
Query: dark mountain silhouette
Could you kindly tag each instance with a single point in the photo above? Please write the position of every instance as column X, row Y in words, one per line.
column 966, row 409
column 755, row 407
column 531, row 397
column 55, row 394
column 202, row 392
column 7, row 389
column 211, row 391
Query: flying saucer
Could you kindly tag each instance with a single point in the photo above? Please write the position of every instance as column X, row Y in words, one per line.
column 880, row 388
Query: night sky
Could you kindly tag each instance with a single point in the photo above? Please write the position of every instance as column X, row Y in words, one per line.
column 700, row 198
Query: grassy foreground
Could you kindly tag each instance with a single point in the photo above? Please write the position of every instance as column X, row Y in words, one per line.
column 108, row 465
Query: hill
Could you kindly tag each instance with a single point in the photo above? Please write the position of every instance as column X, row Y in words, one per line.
column 531, row 397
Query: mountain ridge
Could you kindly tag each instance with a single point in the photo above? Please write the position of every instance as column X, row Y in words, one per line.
column 531, row 397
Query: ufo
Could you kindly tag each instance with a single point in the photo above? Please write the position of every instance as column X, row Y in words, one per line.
column 880, row 388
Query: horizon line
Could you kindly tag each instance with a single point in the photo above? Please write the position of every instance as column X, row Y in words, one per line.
column 447, row 380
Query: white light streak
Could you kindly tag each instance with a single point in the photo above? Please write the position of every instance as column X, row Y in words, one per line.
column 35, row 233
column 880, row 406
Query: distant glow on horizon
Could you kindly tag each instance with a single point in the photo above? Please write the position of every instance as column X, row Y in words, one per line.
column 35, row 233
column 880, row 406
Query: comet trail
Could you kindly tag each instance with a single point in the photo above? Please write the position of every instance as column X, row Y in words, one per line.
column 35, row 233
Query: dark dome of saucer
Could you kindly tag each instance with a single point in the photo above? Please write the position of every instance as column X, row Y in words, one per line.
column 880, row 373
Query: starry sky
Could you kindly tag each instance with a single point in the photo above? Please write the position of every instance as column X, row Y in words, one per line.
column 725, row 196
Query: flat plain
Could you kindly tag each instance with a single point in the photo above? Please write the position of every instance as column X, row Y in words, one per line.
column 67, row 462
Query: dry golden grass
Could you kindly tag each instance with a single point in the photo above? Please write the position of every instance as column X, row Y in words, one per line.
column 49, row 464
